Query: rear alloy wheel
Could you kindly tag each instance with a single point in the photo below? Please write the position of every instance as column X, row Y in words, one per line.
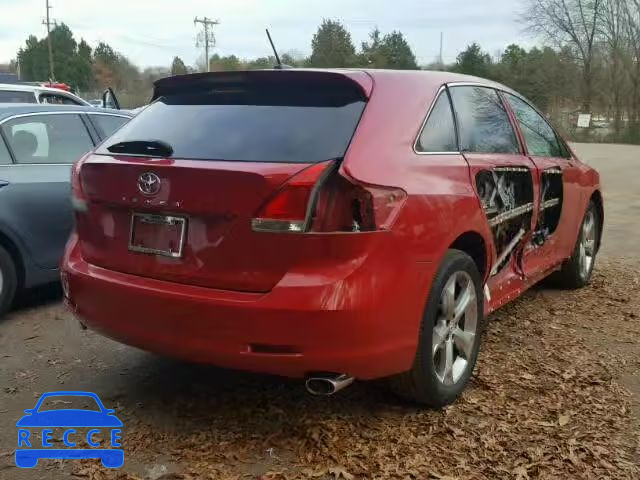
column 450, row 335
column 8, row 280
column 455, row 330
column 576, row 271
column 587, row 245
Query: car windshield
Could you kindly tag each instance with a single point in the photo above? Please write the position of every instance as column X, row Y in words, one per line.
column 13, row 96
column 67, row 402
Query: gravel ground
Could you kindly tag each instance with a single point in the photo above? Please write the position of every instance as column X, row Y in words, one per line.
column 554, row 395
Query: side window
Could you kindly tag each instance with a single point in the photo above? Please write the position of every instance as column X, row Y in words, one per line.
column 5, row 158
column 107, row 124
column 483, row 122
column 438, row 133
column 55, row 138
column 57, row 99
column 540, row 137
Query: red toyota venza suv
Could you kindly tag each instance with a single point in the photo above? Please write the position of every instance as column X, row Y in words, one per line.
column 326, row 224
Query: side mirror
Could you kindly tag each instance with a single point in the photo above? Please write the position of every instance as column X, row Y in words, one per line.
column 109, row 99
column 109, row 411
column 29, row 410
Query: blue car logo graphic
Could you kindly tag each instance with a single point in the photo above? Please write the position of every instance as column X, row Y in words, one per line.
column 30, row 449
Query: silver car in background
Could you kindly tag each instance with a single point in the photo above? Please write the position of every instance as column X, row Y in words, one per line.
column 23, row 93
column 38, row 145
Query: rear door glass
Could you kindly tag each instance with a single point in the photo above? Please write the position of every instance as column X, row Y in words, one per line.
column 483, row 121
column 12, row 96
column 302, row 127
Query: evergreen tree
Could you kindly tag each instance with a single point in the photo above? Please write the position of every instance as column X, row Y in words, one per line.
column 332, row 46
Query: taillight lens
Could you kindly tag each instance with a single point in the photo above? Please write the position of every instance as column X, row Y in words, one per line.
column 78, row 198
column 321, row 199
column 287, row 210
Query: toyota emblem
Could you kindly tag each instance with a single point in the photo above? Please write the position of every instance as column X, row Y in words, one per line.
column 149, row 183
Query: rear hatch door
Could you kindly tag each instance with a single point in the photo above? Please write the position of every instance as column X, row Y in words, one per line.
column 172, row 194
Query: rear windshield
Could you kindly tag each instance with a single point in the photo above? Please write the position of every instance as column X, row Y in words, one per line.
column 12, row 96
column 288, row 127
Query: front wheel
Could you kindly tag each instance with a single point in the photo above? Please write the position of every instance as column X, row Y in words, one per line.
column 450, row 335
column 576, row 271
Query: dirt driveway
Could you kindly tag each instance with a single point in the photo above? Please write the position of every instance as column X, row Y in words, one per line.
column 551, row 397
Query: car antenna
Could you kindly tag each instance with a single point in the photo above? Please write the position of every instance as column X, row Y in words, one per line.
column 279, row 65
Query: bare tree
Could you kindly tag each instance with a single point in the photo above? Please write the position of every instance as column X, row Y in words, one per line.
column 576, row 23
column 632, row 24
column 614, row 23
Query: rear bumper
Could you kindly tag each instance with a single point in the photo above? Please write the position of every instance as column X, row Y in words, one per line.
column 363, row 321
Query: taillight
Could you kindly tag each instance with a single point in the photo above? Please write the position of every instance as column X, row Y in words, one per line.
column 345, row 205
column 287, row 210
column 321, row 199
column 78, row 198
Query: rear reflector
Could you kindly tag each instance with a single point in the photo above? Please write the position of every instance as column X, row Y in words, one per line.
column 274, row 349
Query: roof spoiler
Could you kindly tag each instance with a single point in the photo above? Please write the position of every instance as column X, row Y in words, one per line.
column 357, row 84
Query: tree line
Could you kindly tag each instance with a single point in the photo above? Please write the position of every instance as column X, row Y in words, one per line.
column 332, row 47
column 601, row 41
column 588, row 62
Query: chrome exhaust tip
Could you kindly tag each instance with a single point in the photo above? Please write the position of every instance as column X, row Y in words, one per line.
column 327, row 384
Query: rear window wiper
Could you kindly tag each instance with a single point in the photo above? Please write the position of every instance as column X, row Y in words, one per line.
column 153, row 148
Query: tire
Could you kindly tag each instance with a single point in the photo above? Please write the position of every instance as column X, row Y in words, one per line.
column 8, row 281
column 433, row 381
column 576, row 271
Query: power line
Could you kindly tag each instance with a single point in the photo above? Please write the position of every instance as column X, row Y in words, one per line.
column 48, row 24
column 207, row 36
column 144, row 42
column 163, row 44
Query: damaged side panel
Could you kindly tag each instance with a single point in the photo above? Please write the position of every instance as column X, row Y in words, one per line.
column 550, row 208
column 506, row 194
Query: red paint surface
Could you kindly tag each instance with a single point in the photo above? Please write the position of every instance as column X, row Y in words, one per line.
column 338, row 302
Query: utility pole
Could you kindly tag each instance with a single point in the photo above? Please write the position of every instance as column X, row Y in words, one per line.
column 441, row 42
column 206, row 36
column 48, row 24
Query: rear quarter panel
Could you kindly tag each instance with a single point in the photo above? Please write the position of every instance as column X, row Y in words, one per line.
column 441, row 203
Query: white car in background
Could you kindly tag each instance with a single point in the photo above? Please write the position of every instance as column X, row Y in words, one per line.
column 21, row 93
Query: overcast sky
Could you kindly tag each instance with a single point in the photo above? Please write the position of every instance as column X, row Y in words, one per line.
column 152, row 32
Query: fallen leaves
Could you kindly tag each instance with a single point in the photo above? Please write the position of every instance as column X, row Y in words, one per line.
column 544, row 403
column 340, row 472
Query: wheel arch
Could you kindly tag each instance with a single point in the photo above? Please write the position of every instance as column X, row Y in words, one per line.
column 596, row 198
column 473, row 244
